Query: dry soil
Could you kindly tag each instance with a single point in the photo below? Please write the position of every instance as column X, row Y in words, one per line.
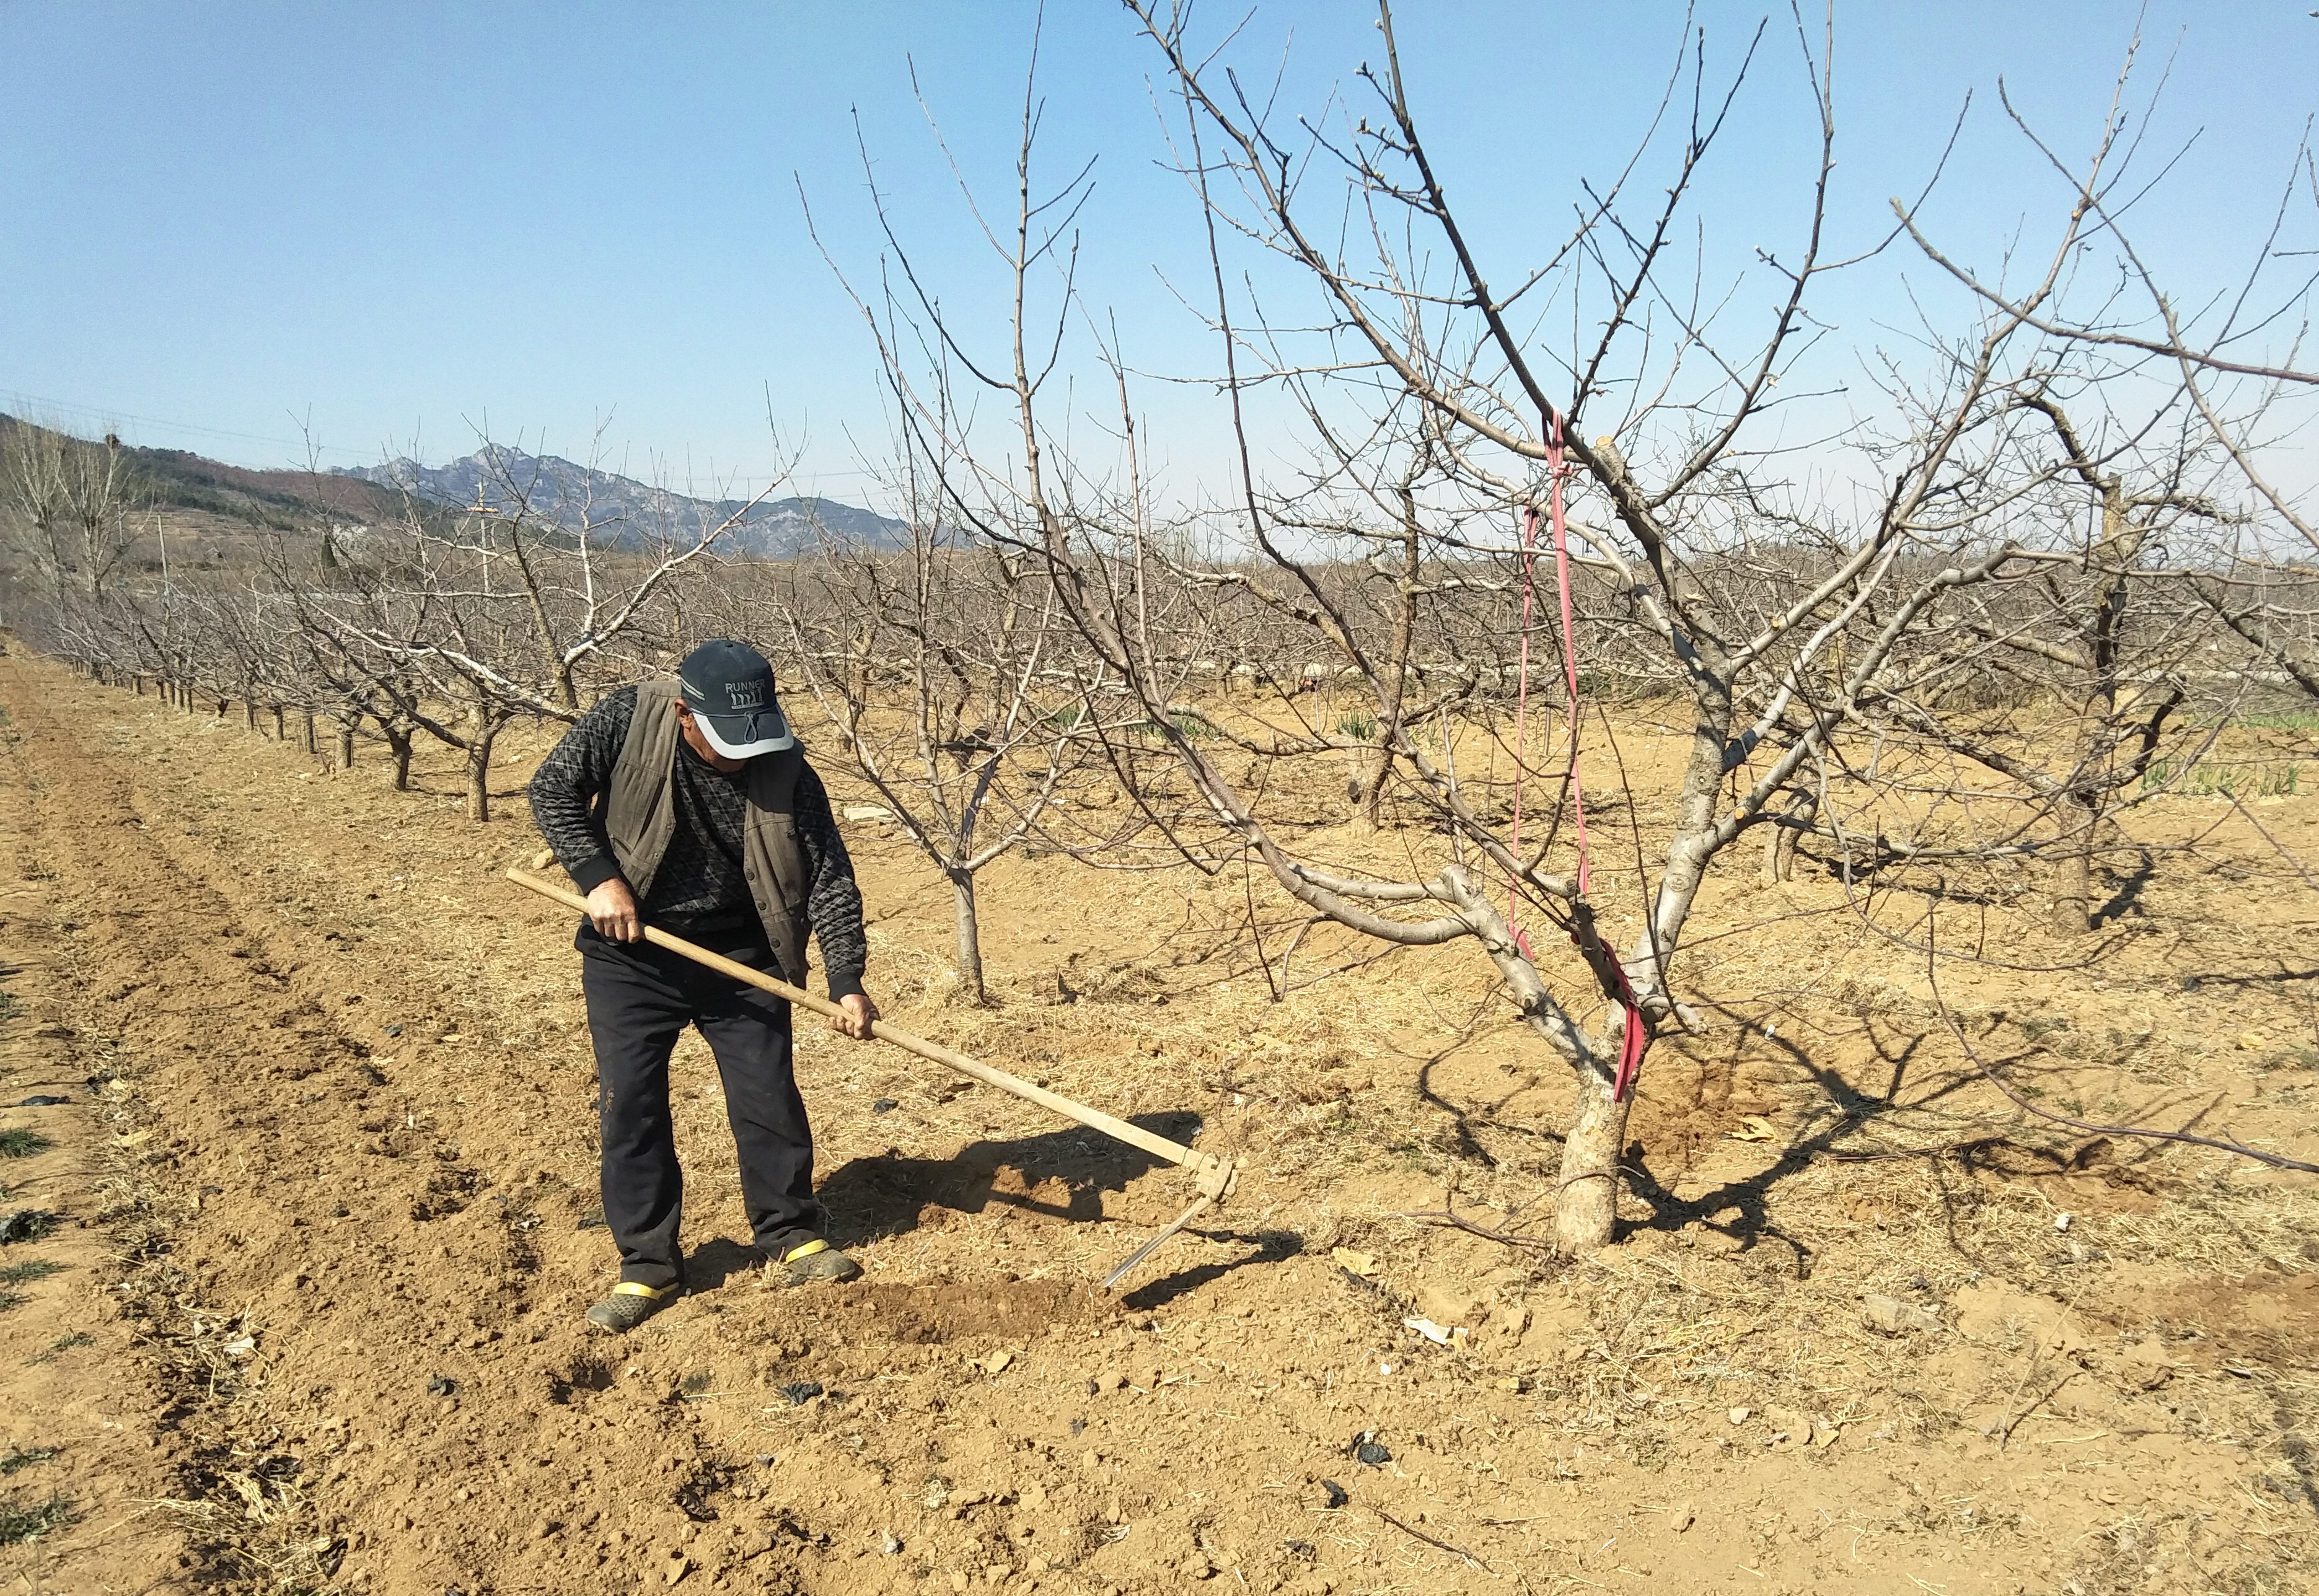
column 323, row 1182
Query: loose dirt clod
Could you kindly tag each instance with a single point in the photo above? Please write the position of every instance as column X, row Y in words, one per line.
column 1895, row 1317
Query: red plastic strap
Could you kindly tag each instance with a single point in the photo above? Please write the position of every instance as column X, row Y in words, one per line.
column 1635, row 1035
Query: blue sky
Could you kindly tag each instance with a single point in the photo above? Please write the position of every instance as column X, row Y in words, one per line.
column 405, row 223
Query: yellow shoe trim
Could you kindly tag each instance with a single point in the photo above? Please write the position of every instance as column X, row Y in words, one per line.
column 807, row 1250
column 630, row 1288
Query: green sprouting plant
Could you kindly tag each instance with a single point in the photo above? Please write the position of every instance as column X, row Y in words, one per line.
column 2281, row 720
column 21, row 1521
column 1360, row 728
column 18, row 1142
column 1191, row 726
column 21, row 1457
column 61, row 1344
column 2260, row 778
column 29, row 1225
column 30, row 1270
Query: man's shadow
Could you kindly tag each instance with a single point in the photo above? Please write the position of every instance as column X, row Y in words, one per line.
column 1059, row 1175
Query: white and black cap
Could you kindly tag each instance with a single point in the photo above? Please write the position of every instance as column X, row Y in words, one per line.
column 729, row 688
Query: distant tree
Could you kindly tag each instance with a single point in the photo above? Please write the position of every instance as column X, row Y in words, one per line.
column 72, row 502
column 944, row 671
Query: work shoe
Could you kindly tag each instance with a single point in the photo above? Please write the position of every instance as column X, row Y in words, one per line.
column 815, row 1260
column 630, row 1304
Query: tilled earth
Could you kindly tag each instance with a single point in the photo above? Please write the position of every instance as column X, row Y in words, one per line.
column 322, row 1188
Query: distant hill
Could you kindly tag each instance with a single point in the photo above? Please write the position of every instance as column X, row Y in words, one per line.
column 282, row 500
column 626, row 513
column 175, row 479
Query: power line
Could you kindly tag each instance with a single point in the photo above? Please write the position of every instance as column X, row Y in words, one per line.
column 18, row 402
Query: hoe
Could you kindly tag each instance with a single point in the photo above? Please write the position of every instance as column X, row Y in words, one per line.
column 1215, row 1175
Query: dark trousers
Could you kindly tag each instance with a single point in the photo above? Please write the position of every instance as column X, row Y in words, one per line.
column 640, row 998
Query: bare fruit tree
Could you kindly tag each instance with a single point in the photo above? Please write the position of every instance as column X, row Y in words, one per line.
column 68, row 517
column 941, row 670
column 1462, row 465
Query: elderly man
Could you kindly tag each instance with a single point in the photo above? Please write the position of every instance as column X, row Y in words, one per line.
column 687, row 804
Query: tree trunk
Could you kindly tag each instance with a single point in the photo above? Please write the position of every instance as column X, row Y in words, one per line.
column 345, row 748
column 969, row 938
column 2073, row 869
column 1780, row 847
column 249, row 713
column 479, row 780
column 1586, row 1211
column 1586, row 1203
column 1371, row 767
column 2080, row 811
column 311, row 748
column 400, row 747
column 280, row 735
column 482, row 731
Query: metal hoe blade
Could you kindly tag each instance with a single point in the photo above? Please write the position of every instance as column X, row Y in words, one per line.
column 1112, row 1280
column 1218, row 1177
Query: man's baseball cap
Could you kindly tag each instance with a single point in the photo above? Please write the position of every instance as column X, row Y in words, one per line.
column 729, row 688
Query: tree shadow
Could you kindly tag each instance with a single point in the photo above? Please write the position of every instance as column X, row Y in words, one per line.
column 887, row 1195
column 1749, row 1197
column 2127, row 900
column 1849, row 1104
column 1470, row 1146
column 2192, row 981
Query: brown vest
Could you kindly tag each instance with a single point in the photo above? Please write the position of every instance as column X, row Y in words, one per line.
column 640, row 818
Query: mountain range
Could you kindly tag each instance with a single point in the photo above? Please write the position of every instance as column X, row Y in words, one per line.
column 622, row 512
